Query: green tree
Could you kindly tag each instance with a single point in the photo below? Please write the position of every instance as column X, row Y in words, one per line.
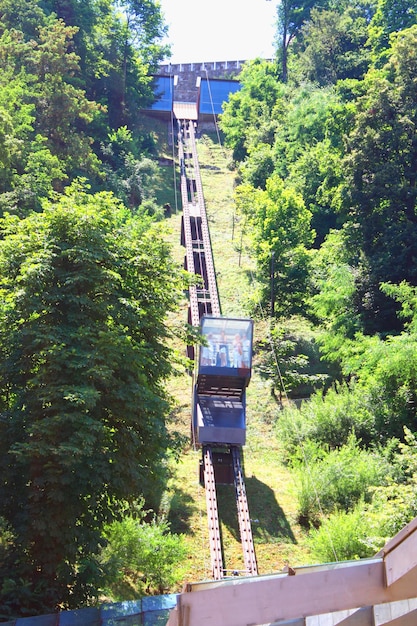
column 291, row 17
column 145, row 23
column 333, row 300
column 63, row 111
column 86, row 16
column 116, row 45
column 100, row 42
column 248, row 117
column 406, row 296
column 306, row 120
column 134, row 50
column 85, row 291
column 259, row 165
column 332, row 46
column 25, row 16
column 384, row 368
column 307, row 150
column 317, row 176
column 381, row 182
column 279, row 225
column 27, row 168
column 15, row 94
column 391, row 16
column 129, row 178
column 45, row 116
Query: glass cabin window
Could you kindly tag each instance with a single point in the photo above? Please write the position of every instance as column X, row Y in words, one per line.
column 228, row 343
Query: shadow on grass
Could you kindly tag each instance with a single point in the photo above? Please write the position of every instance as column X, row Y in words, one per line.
column 269, row 523
column 181, row 509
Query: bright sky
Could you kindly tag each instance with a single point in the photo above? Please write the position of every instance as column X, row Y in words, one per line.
column 220, row 30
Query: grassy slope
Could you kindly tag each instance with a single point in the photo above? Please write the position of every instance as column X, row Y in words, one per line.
column 270, row 488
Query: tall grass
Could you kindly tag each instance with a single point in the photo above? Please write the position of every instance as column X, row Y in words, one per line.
column 338, row 480
column 328, row 419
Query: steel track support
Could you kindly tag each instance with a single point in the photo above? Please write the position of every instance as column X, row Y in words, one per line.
column 193, row 203
column 243, row 515
column 211, row 274
column 212, row 515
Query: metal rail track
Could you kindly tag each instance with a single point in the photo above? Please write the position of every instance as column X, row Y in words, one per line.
column 204, row 299
column 195, row 316
column 216, row 552
column 243, row 514
column 209, row 264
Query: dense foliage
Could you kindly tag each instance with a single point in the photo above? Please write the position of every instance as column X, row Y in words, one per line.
column 332, row 154
column 72, row 75
column 327, row 187
column 85, row 290
column 86, row 283
column 145, row 553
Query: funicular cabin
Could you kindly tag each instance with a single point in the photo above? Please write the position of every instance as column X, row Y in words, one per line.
column 224, row 371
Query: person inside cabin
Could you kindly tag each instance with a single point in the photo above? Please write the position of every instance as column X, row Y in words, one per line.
column 222, row 359
column 245, row 351
column 237, row 352
column 212, row 349
column 208, row 351
column 205, row 355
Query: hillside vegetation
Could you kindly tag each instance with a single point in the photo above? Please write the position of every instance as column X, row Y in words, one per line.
column 324, row 147
column 324, row 142
column 317, row 190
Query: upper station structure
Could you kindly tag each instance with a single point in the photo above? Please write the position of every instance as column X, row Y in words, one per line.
column 194, row 91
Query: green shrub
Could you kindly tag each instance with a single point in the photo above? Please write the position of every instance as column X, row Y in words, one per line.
column 395, row 504
column 386, row 509
column 392, row 507
column 328, row 420
column 363, row 531
column 341, row 537
column 338, row 480
column 145, row 554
